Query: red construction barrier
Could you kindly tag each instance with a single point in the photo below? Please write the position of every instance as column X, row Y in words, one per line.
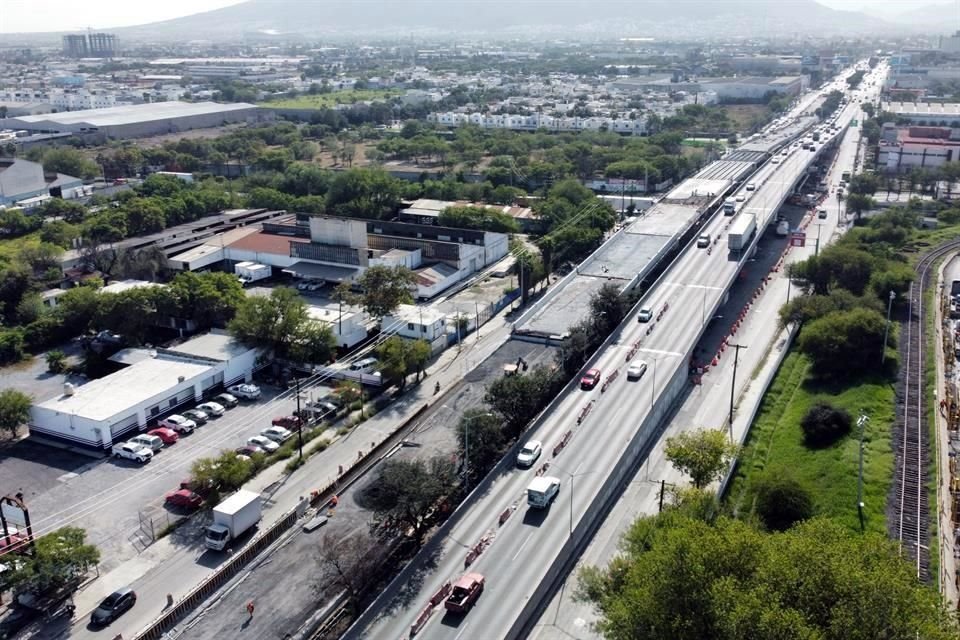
column 505, row 515
column 421, row 620
column 441, row 593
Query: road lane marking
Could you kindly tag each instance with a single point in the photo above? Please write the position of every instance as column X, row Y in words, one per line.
column 675, row 354
column 520, row 550
column 704, row 286
column 457, row 637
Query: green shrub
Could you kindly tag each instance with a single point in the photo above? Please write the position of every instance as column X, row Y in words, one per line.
column 782, row 502
column 824, row 424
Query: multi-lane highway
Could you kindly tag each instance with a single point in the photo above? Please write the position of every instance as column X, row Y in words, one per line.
column 522, row 558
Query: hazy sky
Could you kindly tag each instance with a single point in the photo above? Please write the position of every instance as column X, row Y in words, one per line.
column 65, row 15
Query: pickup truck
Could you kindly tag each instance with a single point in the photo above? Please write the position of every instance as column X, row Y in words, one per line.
column 464, row 593
column 132, row 451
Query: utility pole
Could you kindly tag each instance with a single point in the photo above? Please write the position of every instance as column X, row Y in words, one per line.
column 861, row 422
column 886, row 331
column 816, row 250
column 476, row 306
column 299, row 420
column 733, row 382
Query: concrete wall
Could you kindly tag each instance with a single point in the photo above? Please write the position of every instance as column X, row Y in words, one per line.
column 338, row 231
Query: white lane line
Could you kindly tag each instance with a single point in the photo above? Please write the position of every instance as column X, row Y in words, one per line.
column 704, row 286
column 457, row 637
column 520, row 550
column 675, row 354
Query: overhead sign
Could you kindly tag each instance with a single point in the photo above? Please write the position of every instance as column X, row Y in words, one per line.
column 798, row 238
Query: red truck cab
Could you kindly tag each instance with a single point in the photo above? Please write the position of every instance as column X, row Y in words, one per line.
column 464, row 593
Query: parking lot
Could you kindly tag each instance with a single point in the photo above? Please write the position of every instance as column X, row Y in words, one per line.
column 118, row 501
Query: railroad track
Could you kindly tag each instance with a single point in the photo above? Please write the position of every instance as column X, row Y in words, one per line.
column 911, row 508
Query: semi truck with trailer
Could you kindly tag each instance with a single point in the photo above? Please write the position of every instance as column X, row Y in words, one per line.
column 232, row 518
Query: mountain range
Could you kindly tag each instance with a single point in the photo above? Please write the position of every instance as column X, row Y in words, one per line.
column 605, row 18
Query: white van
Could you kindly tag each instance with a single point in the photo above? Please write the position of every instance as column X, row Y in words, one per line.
column 542, row 491
column 363, row 365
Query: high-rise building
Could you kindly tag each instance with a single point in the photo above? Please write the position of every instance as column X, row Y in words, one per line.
column 93, row 45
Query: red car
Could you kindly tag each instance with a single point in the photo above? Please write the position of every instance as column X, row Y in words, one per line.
column 287, row 422
column 590, row 379
column 169, row 436
column 184, row 498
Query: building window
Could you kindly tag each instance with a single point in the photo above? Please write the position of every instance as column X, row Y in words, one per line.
column 410, row 326
column 155, row 411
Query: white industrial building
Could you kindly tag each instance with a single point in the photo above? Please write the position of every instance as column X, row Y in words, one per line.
column 904, row 148
column 926, row 113
column 417, row 323
column 155, row 383
column 348, row 325
column 135, row 121
column 537, row 121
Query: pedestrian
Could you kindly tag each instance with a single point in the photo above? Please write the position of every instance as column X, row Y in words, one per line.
column 334, row 501
column 250, row 609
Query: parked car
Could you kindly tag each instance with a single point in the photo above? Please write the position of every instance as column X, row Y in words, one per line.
column 227, row 400
column 529, row 454
column 148, row 440
column 277, row 434
column 179, row 424
column 264, row 443
column 197, row 415
column 245, row 391
column 132, row 451
column 645, row 315
column 167, row 436
column 113, row 606
column 211, row 408
column 248, row 451
column 184, row 498
column 287, row 422
column 590, row 379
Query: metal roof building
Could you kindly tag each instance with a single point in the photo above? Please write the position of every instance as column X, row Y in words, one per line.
column 134, row 121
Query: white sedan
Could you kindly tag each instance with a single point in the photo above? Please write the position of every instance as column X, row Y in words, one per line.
column 211, row 408
column 277, row 434
column 245, row 391
column 264, row 443
column 529, row 454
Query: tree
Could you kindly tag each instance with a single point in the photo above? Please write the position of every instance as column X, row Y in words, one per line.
column 782, row 502
column 223, row 474
column 314, row 343
column 474, row 217
column 704, row 455
column 56, row 361
column 59, row 233
column 519, row 398
column 824, row 424
column 859, row 203
column 481, row 440
column 607, row 308
column 60, row 559
column 363, row 193
column 14, row 410
column 270, row 322
column 68, row 161
column 680, row 578
column 844, row 343
column 385, row 288
column 209, row 299
column 400, row 357
column 405, row 493
column 352, row 561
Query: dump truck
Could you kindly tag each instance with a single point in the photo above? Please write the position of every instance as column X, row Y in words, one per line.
column 464, row 593
column 232, row 518
column 741, row 232
column 542, row 491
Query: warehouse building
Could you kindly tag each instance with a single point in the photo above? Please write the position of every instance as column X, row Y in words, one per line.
column 25, row 184
column 153, row 384
column 139, row 120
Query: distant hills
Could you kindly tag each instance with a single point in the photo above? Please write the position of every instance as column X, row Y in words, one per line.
column 605, row 18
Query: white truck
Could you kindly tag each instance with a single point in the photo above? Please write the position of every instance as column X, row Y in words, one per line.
column 741, row 232
column 132, row 451
column 542, row 491
column 729, row 206
column 783, row 228
column 248, row 272
column 232, row 517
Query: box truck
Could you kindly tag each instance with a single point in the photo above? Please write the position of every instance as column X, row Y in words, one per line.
column 542, row 491
column 232, row 517
column 249, row 272
column 741, row 232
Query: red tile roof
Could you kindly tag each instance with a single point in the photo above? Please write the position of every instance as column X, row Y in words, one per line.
column 266, row 243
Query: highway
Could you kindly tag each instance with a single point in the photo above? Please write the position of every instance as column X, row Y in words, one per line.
column 529, row 551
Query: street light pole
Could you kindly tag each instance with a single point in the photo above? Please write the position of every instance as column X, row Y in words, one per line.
column 816, row 250
column 886, row 331
column 861, row 422
column 653, row 387
column 299, row 420
column 733, row 382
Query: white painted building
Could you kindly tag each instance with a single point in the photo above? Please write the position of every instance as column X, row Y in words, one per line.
column 537, row 121
column 349, row 326
column 416, row 323
column 155, row 383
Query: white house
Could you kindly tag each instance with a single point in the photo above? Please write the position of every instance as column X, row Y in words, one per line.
column 349, row 326
column 155, row 383
column 417, row 323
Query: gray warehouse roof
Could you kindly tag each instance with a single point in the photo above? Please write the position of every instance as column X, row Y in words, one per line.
column 131, row 114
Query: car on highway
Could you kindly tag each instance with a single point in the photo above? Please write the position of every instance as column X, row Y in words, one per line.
column 529, row 454
column 183, row 498
column 227, row 400
column 703, row 241
column 636, row 370
column 167, row 436
column 751, row 187
column 822, row 214
column 113, row 606
column 277, row 434
column 211, row 408
column 775, row 161
column 287, row 422
column 645, row 315
column 179, row 424
column 132, row 451
column 245, row 391
column 464, row 594
column 263, row 442
column 590, row 379
column 197, row 415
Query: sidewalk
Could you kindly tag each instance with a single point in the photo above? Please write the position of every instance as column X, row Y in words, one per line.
column 175, row 564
